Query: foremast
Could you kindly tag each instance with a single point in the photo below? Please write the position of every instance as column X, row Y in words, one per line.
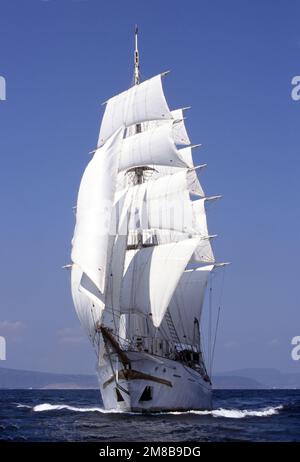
column 138, row 172
column 136, row 75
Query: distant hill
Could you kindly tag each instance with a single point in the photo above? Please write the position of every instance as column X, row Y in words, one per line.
column 13, row 378
column 268, row 378
column 236, row 382
column 237, row 379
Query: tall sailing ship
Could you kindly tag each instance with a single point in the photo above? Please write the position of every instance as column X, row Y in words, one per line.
column 142, row 255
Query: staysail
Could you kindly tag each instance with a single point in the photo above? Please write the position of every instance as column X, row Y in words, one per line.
column 92, row 241
column 151, row 276
column 89, row 310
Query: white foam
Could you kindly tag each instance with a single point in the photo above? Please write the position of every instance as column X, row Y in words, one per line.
column 221, row 412
column 24, row 405
column 235, row 413
column 58, row 407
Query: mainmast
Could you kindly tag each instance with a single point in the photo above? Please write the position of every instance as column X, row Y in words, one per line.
column 136, row 80
column 136, row 75
column 139, row 171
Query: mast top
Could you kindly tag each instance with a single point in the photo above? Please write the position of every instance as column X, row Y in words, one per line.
column 136, row 75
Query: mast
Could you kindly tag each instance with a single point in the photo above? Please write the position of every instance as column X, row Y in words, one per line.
column 136, row 81
column 136, row 75
column 138, row 128
column 139, row 135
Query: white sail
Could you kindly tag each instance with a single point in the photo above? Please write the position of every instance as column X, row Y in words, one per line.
column 119, row 233
column 186, row 304
column 151, row 276
column 179, row 131
column 162, row 204
column 168, row 185
column 186, row 155
column 162, row 211
column 199, row 217
column 152, row 147
column 89, row 311
column 93, row 214
column 172, row 212
column 194, row 185
column 183, row 156
column 203, row 252
column 138, row 104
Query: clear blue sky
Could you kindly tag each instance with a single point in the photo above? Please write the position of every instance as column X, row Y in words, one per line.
column 233, row 61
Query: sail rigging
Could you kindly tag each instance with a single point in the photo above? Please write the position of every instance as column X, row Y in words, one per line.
column 141, row 251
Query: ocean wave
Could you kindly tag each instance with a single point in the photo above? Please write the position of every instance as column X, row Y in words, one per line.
column 44, row 407
column 24, row 406
column 59, row 407
column 221, row 412
column 235, row 413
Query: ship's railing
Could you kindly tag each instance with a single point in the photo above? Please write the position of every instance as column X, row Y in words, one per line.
column 157, row 346
column 186, row 353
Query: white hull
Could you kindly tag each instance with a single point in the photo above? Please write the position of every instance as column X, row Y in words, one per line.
column 181, row 388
